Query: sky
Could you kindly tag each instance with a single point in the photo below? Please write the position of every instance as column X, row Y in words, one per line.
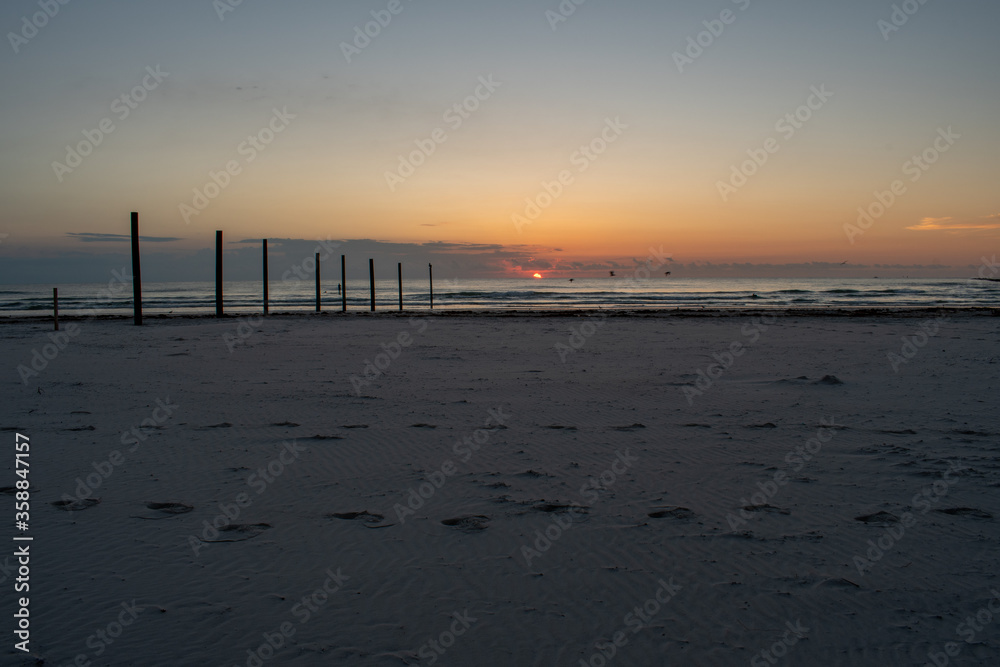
column 751, row 137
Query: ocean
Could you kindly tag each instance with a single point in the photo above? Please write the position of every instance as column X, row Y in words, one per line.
column 193, row 298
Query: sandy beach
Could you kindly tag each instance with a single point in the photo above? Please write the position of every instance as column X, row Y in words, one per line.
column 509, row 490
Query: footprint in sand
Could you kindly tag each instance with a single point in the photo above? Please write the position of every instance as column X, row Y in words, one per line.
column 75, row 505
column 672, row 513
column 469, row 523
column 239, row 532
column 633, row 427
column 829, row 379
column 878, row 519
column 557, row 507
column 164, row 510
column 966, row 511
column 364, row 517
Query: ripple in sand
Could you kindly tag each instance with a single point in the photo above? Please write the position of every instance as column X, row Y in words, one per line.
column 75, row 505
column 239, row 532
column 165, row 510
column 469, row 523
column 765, row 508
column 879, row 518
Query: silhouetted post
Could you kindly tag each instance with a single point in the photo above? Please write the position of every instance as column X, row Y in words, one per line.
column 400, row 267
column 319, row 305
column 55, row 307
column 430, row 268
column 136, row 271
column 343, row 283
column 371, row 279
column 265, row 276
column 218, row 273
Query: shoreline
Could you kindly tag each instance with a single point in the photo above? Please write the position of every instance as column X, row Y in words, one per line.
column 736, row 311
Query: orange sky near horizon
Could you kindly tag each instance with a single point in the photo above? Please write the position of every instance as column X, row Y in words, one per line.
column 762, row 151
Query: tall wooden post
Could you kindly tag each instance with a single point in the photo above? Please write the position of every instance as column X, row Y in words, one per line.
column 343, row 283
column 265, row 277
column 430, row 268
column 371, row 280
column 400, row 267
column 136, row 272
column 55, row 308
column 319, row 302
column 218, row 273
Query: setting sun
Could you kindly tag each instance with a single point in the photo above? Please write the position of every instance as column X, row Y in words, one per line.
column 537, row 275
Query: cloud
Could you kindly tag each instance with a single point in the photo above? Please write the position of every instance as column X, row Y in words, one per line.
column 958, row 224
column 91, row 237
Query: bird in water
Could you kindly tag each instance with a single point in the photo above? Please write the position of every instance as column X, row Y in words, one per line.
column 667, row 273
column 612, row 273
column 754, row 296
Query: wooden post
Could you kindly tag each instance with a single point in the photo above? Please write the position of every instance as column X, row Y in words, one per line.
column 218, row 273
column 55, row 307
column 319, row 302
column 371, row 279
column 136, row 272
column 400, row 267
column 265, row 277
column 430, row 268
column 343, row 283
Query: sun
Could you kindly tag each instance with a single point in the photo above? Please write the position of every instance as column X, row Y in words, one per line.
column 537, row 275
